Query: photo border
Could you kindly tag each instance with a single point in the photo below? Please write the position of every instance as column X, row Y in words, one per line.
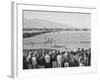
column 16, row 72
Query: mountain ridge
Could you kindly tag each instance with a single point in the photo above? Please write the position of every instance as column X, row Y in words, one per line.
column 41, row 23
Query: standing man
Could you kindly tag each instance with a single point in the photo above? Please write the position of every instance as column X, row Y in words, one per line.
column 41, row 61
column 47, row 61
column 29, row 60
column 34, row 62
column 54, row 59
column 66, row 60
column 59, row 60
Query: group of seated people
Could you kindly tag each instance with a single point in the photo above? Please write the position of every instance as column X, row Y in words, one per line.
column 35, row 59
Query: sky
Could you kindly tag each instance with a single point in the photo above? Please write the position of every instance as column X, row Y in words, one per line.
column 78, row 20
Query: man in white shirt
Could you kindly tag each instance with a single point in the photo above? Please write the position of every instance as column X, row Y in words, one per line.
column 59, row 60
column 34, row 62
column 47, row 60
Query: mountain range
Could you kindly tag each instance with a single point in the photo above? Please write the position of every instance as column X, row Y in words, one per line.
column 40, row 23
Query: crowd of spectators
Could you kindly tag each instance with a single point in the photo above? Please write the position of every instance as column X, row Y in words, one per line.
column 56, row 59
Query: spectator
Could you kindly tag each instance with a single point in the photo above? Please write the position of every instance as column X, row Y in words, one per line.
column 54, row 59
column 66, row 60
column 59, row 60
column 41, row 61
column 47, row 60
column 29, row 60
column 34, row 62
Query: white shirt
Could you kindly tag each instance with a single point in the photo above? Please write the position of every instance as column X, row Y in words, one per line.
column 59, row 59
column 47, row 58
column 33, row 60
